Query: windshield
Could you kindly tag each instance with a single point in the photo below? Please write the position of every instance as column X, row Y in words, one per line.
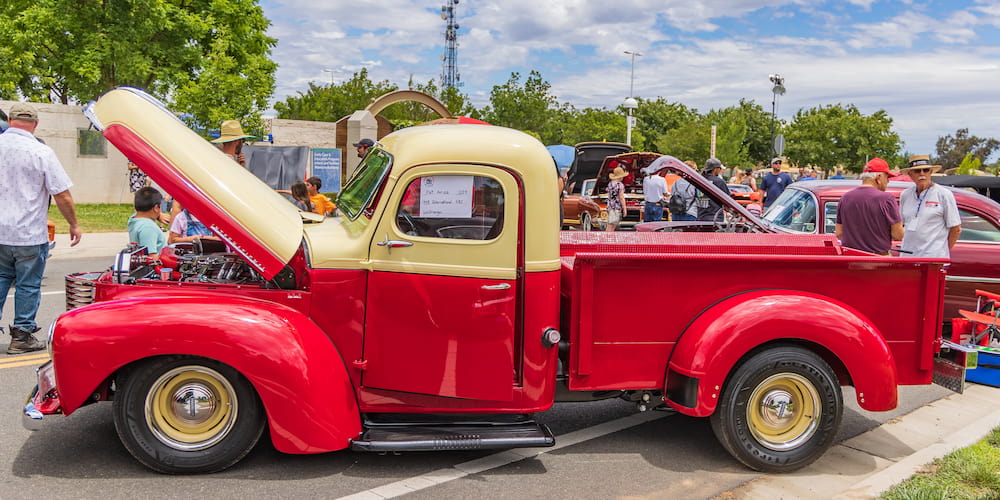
column 795, row 210
column 360, row 190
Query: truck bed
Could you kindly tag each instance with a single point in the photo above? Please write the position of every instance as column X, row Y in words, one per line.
column 628, row 297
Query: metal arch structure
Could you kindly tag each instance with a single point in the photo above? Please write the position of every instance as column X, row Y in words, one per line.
column 449, row 66
column 386, row 100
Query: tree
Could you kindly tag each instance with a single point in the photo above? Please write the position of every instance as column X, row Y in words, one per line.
column 590, row 124
column 212, row 55
column 837, row 135
column 951, row 151
column 657, row 117
column 969, row 166
column 329, row 103
column 527, row 106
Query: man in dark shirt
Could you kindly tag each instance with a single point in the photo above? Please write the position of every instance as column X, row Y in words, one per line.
column 774, row 183
column 708, row 208
column 868, row 217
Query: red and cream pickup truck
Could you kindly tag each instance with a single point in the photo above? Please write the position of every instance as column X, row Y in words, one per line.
column 443, row 309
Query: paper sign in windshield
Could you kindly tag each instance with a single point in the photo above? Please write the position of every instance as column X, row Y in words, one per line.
column 446, row 196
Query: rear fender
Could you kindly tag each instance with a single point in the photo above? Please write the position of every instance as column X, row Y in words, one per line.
column 301, row 379
column 714, row 343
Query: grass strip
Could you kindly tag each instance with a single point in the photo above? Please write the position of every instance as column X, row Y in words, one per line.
column 95, row 218
column 968, row 473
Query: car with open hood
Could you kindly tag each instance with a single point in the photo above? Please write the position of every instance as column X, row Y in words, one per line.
column 442, row 310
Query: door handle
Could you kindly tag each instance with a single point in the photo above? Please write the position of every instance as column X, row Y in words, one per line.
column 501, row 286
column 390, row 244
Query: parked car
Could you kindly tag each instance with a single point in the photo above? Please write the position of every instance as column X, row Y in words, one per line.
column 580, row 211
column 440, row 311
column 589, row 158
column 811, row 207
column 743, row 194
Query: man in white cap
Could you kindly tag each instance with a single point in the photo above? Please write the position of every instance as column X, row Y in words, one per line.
column 931, row 222
column 232, row 139
column 29, row 174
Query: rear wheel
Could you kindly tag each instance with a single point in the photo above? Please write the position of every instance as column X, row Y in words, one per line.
column 586, row 223
column 184, row 415
column 780, row 410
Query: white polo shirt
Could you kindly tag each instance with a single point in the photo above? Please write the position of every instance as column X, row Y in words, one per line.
column 927, row 218
column 653, row 188
column 29, row 173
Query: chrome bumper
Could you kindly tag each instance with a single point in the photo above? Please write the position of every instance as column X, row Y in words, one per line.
column 31, row 418
column 43, row 400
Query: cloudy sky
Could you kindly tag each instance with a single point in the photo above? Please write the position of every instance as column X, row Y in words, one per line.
column 934, row 66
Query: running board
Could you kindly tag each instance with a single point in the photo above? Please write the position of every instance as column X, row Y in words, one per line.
column 463, row 436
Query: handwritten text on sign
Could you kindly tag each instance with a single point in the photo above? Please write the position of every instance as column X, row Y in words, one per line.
column 445, row 196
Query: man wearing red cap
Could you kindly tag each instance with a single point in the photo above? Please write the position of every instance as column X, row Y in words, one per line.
column 868, row 217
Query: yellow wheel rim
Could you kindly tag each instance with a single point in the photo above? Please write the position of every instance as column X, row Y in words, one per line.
column 784, row 411
column 191, row 408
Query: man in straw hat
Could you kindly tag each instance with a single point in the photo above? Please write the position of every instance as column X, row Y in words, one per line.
column 616, row 198
column 867, row 217
column 29, row 174
column 930, row 216
column 232, row 139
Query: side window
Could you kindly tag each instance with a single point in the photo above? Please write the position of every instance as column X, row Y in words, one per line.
column 977, row 228
column 830, row 217
column 464, row 207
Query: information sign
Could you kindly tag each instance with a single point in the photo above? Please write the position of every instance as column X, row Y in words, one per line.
column 326, row 166
column 446, row 196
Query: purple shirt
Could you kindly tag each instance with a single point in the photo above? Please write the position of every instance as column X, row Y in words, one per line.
column 866, row 216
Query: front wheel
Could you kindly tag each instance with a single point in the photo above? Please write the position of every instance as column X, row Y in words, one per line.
column 586, row 224
column 780, row 410
column 187, row 415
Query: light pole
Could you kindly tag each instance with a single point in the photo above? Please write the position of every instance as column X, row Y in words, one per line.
column 630, row 103
column 776, row 90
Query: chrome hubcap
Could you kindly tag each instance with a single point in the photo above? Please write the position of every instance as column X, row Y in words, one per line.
column 191, row 408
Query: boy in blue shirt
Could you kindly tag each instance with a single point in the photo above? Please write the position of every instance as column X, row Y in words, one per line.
column 142, row 226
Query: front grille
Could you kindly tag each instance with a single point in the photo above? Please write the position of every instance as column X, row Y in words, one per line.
column 80, row 288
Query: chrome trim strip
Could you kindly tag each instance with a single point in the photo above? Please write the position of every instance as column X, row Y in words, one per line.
column 971, row 279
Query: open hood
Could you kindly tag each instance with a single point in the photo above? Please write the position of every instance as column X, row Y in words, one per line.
column 249, row 216
column 589, row 157
column 633, row 164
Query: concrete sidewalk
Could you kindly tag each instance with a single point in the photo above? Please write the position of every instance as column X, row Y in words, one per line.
column 867, row 465
column 91, row 245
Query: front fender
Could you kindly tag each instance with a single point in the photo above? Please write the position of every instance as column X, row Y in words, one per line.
column 710, row 347
column 301, row 379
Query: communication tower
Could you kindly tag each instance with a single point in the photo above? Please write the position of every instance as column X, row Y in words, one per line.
column 449, row 66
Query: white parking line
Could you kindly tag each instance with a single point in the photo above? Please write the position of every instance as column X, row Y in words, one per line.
column 60, row 292
column 441, row 476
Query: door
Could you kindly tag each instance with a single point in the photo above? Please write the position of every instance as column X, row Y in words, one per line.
column 443, row 290
column 975, row 262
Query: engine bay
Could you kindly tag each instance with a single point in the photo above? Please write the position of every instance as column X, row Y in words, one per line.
column 185, row 262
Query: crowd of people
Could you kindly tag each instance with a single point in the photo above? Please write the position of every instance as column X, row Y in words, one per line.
column 925, row 220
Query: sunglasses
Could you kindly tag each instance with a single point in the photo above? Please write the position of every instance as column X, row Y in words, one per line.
column 920, row 170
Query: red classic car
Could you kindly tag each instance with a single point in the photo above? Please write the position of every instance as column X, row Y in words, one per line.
column 975, row 260
column 743, row 194
column 634, row 164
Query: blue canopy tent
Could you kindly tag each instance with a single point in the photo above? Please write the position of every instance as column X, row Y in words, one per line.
column 563, row 154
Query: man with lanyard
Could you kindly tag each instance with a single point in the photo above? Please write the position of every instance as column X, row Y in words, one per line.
column 868, row 217
column 774, row 183
column 654, row 189
column 931, row 220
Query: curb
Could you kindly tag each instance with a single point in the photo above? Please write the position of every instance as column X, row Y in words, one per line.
column 885, row 479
